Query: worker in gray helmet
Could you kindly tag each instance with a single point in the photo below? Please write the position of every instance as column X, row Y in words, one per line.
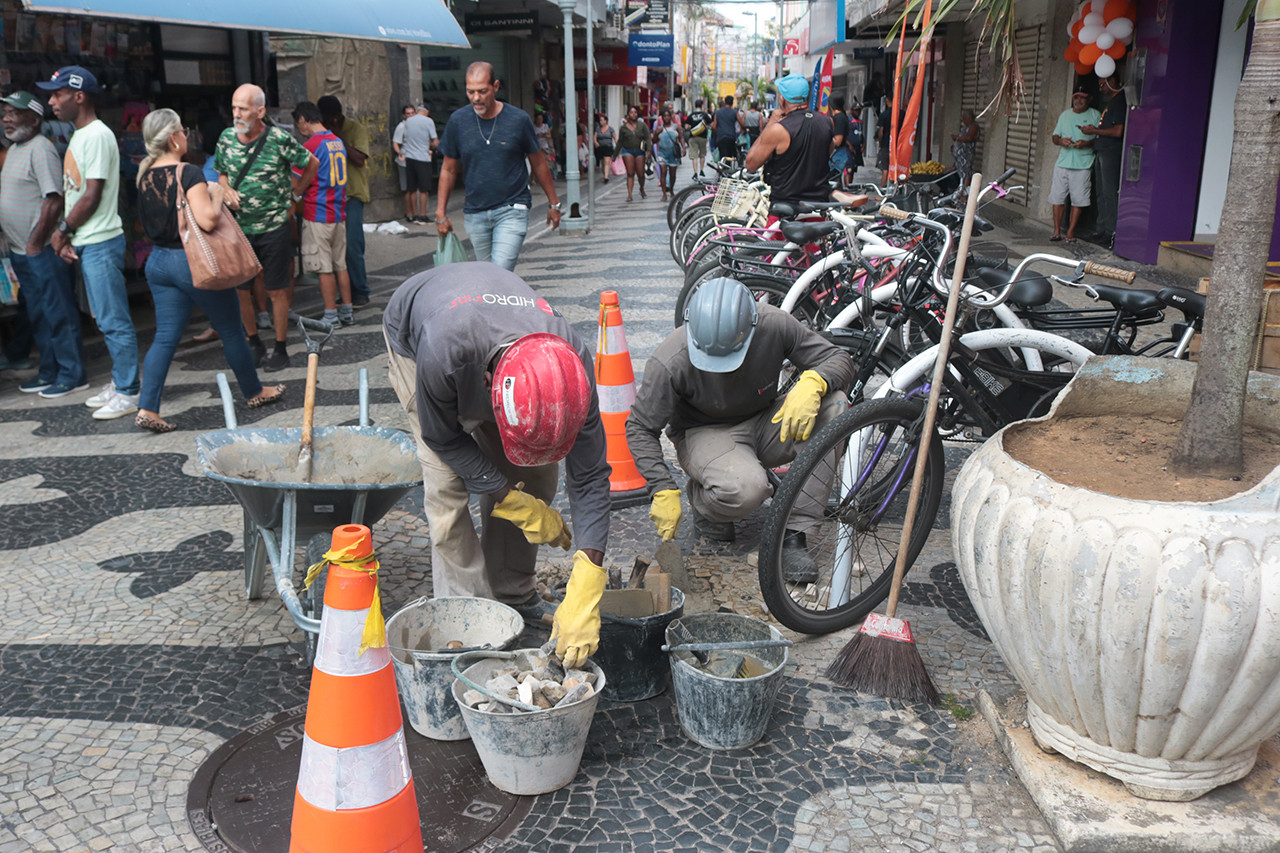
column 713, row 385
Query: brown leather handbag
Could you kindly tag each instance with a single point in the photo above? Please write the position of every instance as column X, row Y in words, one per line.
column 219, row 259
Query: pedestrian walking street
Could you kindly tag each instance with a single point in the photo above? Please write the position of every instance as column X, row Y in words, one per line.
column 129, row 653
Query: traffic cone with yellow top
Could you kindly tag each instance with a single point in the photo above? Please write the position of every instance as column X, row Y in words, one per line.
column 355, row 791
column 616, row 388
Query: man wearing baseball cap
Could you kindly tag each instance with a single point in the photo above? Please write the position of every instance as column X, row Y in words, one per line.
column 795, row 146
column 92, row 232
column 30, row 207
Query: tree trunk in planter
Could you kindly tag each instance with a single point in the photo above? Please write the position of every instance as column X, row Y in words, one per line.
column 1211, row 439
column 1145, row 634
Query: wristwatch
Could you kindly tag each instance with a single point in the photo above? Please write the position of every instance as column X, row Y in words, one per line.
column 66, row 228
column 556, row 206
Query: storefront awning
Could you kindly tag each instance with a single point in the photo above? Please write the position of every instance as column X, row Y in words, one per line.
column 421, row 22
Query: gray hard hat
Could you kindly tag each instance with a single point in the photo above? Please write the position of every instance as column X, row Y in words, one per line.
column 719, row 322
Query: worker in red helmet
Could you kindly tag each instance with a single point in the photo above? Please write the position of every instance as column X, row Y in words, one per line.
column 498, row 389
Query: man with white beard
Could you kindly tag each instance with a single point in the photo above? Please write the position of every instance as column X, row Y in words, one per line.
column 30, row 207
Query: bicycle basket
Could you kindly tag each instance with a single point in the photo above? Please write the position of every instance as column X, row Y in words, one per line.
column 735, row 199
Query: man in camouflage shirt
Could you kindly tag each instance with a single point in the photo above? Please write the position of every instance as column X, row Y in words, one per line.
column 261, row 195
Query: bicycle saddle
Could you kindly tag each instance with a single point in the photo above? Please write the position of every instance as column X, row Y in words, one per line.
column 807, row 232
column 848, row 199
column 1027, row 292
column 1137, row 302
column 1186, row 301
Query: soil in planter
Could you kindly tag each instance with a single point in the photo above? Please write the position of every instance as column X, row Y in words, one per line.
column 1125, row 456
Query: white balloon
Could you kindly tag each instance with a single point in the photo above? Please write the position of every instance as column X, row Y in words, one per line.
column 1104, row 40
column 1089, row 34
column 1105, row 66
column 1121, row 28
column 1094, row 19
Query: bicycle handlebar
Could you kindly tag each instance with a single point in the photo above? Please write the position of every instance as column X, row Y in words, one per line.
column 888, row 211
column 1113, row 273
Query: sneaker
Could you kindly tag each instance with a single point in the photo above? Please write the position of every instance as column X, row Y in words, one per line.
column 264, row 319
column 345, row 317
column 16, row 363
column 537, row 612
column 102, row 397
column 330, row 317
column 715, row 531
column 276, row 361
column 359, row 300
column 117, row 407
column 259, row 350
column 62, row 389
column 797, row 565
column 33, row 386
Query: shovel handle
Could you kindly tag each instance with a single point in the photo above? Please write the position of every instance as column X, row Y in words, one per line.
column 309, row 400
column 720, row 647
column 314, row 344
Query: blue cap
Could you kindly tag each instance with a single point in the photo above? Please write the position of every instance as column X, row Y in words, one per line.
column 71, row 77
column 793, row 88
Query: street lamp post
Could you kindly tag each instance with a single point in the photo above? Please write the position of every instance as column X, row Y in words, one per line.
column 754, row 52
column 572, row 220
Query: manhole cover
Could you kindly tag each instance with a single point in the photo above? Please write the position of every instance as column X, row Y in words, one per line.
column 241, row 798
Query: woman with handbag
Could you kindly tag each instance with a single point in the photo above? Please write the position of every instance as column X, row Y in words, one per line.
column 670, row 148
column 164, row 184
column 605, row 138
column 633, row 139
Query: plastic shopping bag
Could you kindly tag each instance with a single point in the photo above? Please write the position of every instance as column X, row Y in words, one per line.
column 619, row 168
column 450, row 250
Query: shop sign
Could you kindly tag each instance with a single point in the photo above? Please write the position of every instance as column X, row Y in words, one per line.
column 513, row 21
column 655, row 50
column 792, row 48
column 648, row 12
column 868, row 52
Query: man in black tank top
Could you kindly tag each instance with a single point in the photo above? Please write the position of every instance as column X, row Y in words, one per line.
column 795, row 146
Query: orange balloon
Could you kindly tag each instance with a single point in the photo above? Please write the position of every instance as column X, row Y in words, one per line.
column 1075, row 29
column 1089, row 54
column 1072, row 52
column 1132, row 12
column 1114, row 9
column 1116, row 51
column 1083, row 67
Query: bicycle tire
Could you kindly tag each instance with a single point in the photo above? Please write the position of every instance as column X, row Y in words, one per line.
column 699, row 216
column 680, row 200
column 857, row 527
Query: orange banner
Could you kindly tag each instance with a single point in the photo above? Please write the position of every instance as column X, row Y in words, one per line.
column 904, row 137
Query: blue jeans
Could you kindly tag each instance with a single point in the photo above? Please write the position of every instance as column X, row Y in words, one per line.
column 102, row 265
column 498, row 234
column 355, row 248
column 169, row 277
column 50, row 295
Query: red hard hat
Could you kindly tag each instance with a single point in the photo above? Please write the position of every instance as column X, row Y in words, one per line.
column 541, row 394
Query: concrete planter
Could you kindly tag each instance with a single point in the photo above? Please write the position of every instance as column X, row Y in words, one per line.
column 1145, row 634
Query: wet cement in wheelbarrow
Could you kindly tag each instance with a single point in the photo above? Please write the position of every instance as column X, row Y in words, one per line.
column 337, row 458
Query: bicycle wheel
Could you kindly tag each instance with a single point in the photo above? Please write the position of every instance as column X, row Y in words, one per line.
column 847, row 493
column 681, row 201
column 697, row 217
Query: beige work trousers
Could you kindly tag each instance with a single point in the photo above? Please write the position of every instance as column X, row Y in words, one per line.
column 500, row 563
column 727, row 466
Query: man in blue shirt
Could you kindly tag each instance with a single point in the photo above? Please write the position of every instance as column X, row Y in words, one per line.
column 497, row 147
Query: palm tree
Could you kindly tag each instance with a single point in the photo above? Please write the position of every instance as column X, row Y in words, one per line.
column 1212, row 437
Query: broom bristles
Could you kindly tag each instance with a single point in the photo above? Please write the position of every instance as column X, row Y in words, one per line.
column 888, row 666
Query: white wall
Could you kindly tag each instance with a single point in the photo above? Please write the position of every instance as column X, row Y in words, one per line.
column 1217, row 151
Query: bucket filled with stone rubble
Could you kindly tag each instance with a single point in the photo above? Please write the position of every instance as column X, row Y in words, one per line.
column 528, row 716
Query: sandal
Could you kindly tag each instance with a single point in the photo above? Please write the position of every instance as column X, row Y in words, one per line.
column 1071, row 239
column 206, row 336
column 152, row 424
column 1056, row 238
column 266, row 397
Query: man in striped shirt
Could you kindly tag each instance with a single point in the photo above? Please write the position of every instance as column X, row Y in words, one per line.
column 324, row 233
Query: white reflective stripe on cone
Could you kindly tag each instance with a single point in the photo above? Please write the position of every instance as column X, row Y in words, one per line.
column 337, row 651
column 353, row 778
column 615, row 340
column 616, row 398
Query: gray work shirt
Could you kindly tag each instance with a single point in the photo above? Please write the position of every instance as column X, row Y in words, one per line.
column 415, row 141
column 677, row 395
column 451, row 321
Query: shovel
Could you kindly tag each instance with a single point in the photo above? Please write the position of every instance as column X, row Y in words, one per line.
column 314, row 346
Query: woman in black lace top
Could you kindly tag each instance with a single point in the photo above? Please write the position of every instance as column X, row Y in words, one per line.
column 169, row 275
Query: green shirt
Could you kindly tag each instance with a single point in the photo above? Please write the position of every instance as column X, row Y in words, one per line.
column 93, row 155
column 1068, row 127
column 354, row 135
column 265, row 191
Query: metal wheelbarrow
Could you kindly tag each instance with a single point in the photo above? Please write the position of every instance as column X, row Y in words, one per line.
column 358, row 474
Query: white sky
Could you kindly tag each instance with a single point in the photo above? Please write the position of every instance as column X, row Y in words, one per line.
column 735, row 13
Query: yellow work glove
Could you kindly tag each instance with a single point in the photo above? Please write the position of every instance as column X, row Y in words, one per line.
column 576, row 625
column 664, row 510
column 541, row 524
column 800, row 409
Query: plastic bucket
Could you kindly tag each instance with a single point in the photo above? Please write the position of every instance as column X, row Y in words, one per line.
column 534, row 752
column 418, row 632
column 726, row 713
column 631, row 653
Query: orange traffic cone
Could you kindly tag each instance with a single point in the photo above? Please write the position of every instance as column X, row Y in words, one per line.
column 355, row 791
column 616, row 387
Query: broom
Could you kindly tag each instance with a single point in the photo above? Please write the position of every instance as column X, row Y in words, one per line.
column 882, row 657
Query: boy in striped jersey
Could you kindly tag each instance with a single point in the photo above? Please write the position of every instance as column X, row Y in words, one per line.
column 324, row 233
